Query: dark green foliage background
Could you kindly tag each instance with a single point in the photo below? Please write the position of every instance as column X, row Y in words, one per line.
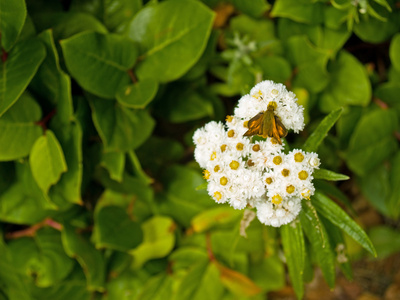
column 99, row 99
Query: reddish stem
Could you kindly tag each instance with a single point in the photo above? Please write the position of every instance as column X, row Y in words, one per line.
column 132, row 76
column 4, row 55
column 209, row 248
column 380, row 103
column 43, row 122
column 31, row 231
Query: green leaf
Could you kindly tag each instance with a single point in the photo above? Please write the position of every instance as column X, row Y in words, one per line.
column 138, row 95
column 394, row 51
column 215, row 217
column 386, row 240
column 158, row 287
column 158, row 240
column 114, row 162
column 120, row 128
column 24, row 202
column 299, row 11
column 99, row 62
column 349, row 84
column 137, row 168
column 12, row 19
column 293, row 245
column 368, row 150
column 255, row 8
column 42, row 257
column 19, row 129
column 318, row 135
column 51, row 83
column 167, row 55
column 319, row 240
column 329, row 175
column 115, row 229
column 47, row 161
column 18, row 69
column 337, row 216
column 274, row 68
column 126, row 286
column 91, row 260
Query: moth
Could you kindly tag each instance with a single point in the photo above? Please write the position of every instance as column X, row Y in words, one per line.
column 267, row 124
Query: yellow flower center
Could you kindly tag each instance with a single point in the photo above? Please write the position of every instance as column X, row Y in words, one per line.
column 277, row 160
column 250, row 163
column 234, row 165
column 306, row 194
column 272, row 104
column 290, row 189
column 217, row 196
column 298, row 157
column 231, row 133
column 256, row 148
column 303, row 175
column 213, row 155
column 277, row 199
column 223, row 148
column 268, row 180
column 239, row 146
column 285, row 172
column 223, row 180
column 229, row 119
column 217, row 168
column 206, row 174
column 246, row 124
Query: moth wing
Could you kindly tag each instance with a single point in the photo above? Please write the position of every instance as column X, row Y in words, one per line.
column 268, row 124
column 255, row 125
column 281, row 129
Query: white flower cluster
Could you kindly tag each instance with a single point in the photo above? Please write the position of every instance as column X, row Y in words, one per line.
column 245, row 171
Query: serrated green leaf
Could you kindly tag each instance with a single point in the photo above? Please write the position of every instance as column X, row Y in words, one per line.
column 293, row 245
column 115, row 229
column 114, row 162
column 319, row 240
column 43, row 258
column 99, row 62
column 318, row 135
column 329, row 175
column 337, row 216
column 120, row 128
column 138, row 95
column 18, row 128
column 158, row 240
column 349, row 84
column 18, row 69
column 12, row 19
column 167, row 55
column 368, row 150
column 90, row 259
column 47, row 161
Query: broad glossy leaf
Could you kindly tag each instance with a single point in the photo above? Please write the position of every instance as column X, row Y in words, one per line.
column 99, row 62
column 318, row 135
column 255, row 8
column 12, row 19
column 17, row 71
column 215, row 217
column 120, row 128
column 337, row 216
column 24, row 202
column 158, row 287
column 394, row 51
column 158, row 240
column 138, row 95
column 18, row 128
column 274, row 68
column 329, row 175
column 261, row 31
column 42, row 257
column 47, row 161
column 91, row 260
column 372, row 141
column 299, row 11
column 349, row 84
column 168, row 54
column 316, row 234
column 115, row 229
column 114, row 162
column 293, row 245
column 126, row 286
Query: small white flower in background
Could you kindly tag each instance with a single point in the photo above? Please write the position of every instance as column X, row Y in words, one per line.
column 243, row 172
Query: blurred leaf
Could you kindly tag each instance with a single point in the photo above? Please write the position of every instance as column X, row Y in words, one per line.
column 162, row 56
column 274, row 68
column 42, row 257
column 299, row 11
column 255, row 8
column 137, row 168
column 138, row 95
column 239, row 284
column 13, row 14
column 158, row 287
column 99, row 62
column 394, row 51
column 270, row 267
column 293, row 245
column 91, row 260
column 47, row 161
column 318, row 238
column 120, row 128
column 215, row 217
column 24, row 202
column 18, row 69
column 337, row 216
column 185, row 257
column 114, row 162
column 158, row 240
column 260, row 31
column 386, row 240
column 333, row 191
column 126, row 286
column 115, row 229
column 318, row 135
column 368, row 150
column 18, row 128
column 349, row 84
column 329, row 175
